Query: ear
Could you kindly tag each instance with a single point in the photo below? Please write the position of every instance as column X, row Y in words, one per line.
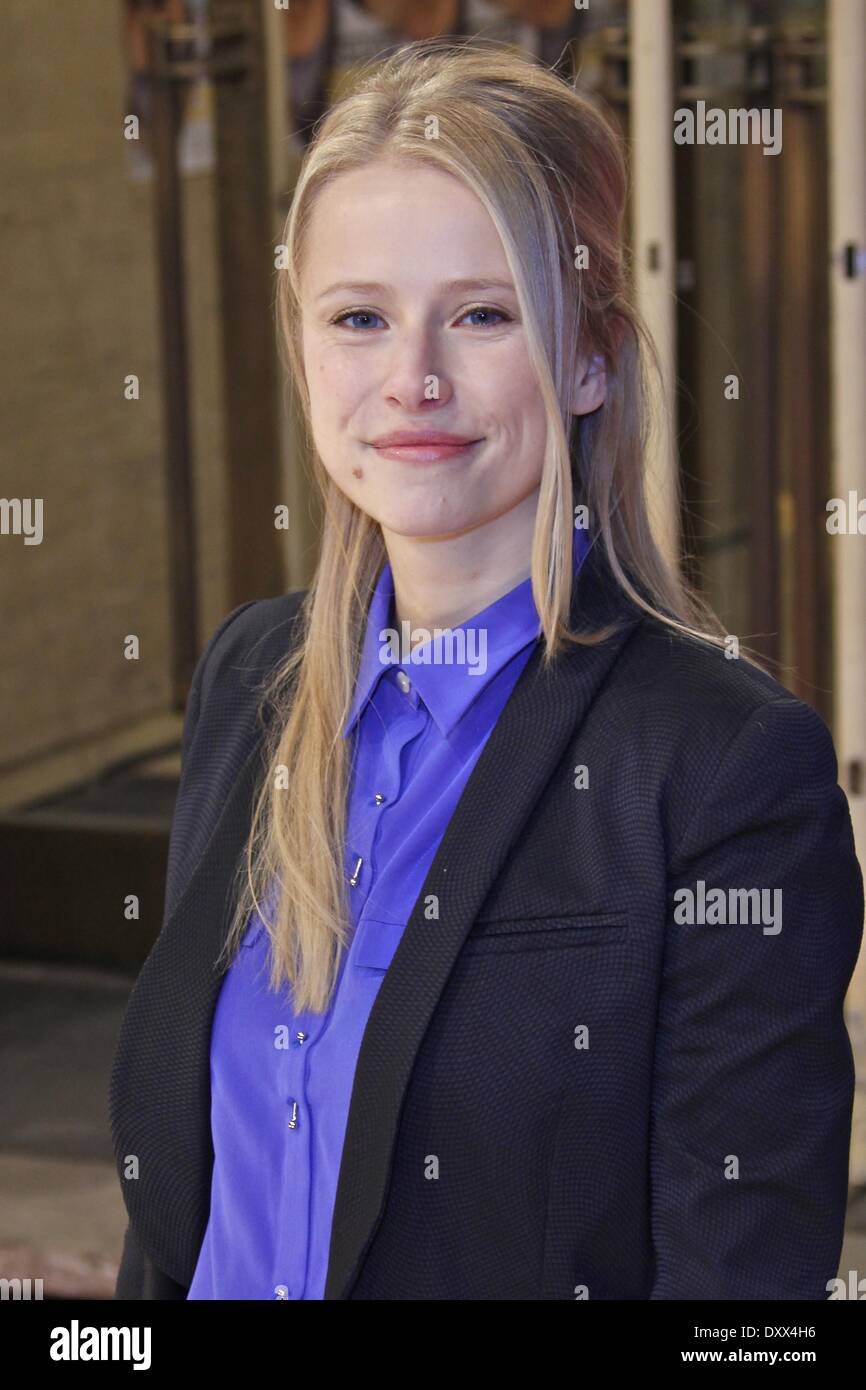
column 590, row 387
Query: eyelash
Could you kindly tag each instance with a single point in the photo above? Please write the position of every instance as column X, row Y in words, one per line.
column 473, row 309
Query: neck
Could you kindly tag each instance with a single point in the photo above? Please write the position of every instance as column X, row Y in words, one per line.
column 444, row 580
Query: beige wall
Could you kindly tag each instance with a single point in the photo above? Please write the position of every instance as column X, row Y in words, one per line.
column 80, row 312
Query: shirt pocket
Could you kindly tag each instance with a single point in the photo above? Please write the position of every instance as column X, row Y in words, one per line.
column 518, row 934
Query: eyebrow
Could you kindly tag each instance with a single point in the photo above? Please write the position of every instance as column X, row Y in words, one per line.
column 450, row 286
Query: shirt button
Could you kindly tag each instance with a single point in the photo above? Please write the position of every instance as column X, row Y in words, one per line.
column 281, row 1291
column 404, row 682
column 379, row 798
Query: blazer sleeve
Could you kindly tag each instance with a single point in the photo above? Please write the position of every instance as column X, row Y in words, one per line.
column 138, row 1277
column 753, row 1075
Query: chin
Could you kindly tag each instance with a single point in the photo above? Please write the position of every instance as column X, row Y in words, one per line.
column 415, row 532
column 412, row 528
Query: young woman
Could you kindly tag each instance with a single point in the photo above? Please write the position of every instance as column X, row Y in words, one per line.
column 508, row 920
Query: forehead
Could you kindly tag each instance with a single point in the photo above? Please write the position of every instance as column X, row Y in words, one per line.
column 388, row 216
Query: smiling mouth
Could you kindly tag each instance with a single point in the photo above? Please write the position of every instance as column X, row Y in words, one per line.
column 420, row 452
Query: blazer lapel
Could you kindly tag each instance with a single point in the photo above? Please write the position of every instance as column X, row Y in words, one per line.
column 529, row 738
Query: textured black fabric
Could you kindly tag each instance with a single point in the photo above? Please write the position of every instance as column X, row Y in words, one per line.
column 486, row 1155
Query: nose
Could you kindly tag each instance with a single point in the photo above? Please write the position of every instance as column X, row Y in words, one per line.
column 413, row 373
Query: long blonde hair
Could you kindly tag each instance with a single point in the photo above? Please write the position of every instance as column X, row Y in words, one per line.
column 550, row 171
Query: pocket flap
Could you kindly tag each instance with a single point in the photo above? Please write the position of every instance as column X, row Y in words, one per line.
column 526, row 926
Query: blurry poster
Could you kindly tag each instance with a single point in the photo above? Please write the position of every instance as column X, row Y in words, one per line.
column 327, row 41
column 196, row 140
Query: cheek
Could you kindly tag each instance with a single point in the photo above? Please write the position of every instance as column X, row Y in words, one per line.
column 523, row 386
column 510, row 380
column 337, row 384
column 520, row 405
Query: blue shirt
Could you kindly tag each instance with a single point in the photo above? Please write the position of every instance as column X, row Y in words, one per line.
column 281, row 1081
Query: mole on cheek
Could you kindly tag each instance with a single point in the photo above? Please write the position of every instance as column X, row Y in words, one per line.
column 357, row 473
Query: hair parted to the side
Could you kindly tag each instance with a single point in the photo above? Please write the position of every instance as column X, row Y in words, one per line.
column 550, row 171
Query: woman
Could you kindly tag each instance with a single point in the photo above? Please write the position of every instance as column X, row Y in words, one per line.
column 529, row 982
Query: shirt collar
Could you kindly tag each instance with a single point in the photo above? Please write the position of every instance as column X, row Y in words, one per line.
column 460, row 667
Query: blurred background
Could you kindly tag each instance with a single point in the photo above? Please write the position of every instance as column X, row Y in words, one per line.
column 148, row 151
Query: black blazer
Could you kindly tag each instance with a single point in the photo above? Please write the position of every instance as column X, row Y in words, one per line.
column 622, row 1106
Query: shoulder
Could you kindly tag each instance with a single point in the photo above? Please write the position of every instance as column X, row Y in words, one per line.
column 701, row 730
column 239, row 656
column 248, row 644
column 673, row 697
column 683, row 685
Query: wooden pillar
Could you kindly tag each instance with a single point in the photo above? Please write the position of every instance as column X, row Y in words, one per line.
column 250, row 384
column 167, row 73
column 802, row 375
column 847, row 123
column 652, row 144
column 301, row 544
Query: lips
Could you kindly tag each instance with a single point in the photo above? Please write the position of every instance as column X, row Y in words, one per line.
column 406, row 439
column 427, row 446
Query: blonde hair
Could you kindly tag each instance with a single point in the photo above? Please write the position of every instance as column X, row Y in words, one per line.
column 550, row 171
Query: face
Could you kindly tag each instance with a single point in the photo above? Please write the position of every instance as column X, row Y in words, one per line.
column 410, row 328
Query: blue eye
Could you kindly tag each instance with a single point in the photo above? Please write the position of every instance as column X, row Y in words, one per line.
column 356, row 314
column 370, row 314
column 485, row 309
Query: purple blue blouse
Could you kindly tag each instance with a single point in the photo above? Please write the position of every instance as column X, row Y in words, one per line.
column 281, row 1081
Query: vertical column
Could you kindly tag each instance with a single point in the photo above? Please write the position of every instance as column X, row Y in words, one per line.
column 166, row 72
column 300, row 496
column 250, row 384
column 847, row 124
column 801, row 373
column 651, row 35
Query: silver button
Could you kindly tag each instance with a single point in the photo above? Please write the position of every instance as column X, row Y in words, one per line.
column 404, row 682
column 378, row 798
column 281, row 1291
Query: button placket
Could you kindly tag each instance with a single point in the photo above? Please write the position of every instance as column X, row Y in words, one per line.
column 297, row 1197
column 359, row 856
column 297, row 1175
column 402, row 720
